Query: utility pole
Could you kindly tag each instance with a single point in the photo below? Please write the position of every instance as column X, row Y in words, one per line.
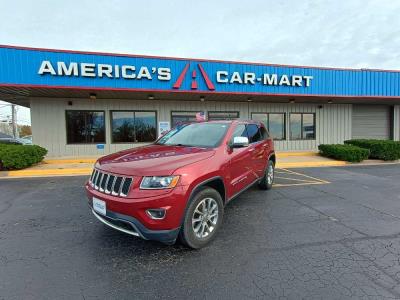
column 14, row 120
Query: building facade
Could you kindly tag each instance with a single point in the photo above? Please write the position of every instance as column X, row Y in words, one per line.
column 85, row 104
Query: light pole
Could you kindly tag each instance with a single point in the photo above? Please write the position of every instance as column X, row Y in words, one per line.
column 14, row 120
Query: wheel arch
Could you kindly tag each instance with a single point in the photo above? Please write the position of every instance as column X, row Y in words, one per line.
column 272, row 157
column 215, row 182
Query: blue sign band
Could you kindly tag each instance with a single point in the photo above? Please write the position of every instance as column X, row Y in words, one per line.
column 57, row 68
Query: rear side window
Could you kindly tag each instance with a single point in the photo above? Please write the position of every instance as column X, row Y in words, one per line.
column 264, row 133
column 254, row 133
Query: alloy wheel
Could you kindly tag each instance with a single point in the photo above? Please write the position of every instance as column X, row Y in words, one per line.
column 205, row 218
column 270, row 174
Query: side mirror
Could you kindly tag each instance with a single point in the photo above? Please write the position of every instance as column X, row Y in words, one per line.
column 239, row 142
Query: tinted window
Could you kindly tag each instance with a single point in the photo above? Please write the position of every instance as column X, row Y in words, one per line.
column 253, row 133
column 85, row 127
column 276, row 126
column 133, row 126
column 302, row 126
column 196, row 134
column 223, row 115
column 308, row 126
column 182, row 116
column 123, row 126
column 262, row 117
column 295, row 126
column 274, row 122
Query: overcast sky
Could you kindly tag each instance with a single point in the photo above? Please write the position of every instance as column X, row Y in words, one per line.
column 341, row 33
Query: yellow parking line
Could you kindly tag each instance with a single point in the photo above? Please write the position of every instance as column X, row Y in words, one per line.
column 297, row 184
column 294, row 179
column 300, row 174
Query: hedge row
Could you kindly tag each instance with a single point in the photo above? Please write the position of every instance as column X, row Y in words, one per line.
column 20, row 156
column 344, row 152
column 379, row 149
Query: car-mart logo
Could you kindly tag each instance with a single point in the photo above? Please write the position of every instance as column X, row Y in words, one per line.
column 194, row 85
column 131, row 72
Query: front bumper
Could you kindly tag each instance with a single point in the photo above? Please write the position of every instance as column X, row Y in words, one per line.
column 132, row 226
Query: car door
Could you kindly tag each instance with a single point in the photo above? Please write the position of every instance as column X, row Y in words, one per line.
column 240, row 168
column 258, row 147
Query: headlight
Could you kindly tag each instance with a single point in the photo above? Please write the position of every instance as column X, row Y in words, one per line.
column 159, row 182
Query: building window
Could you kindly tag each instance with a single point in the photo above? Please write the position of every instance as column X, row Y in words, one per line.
column 302, row 126
column 182, row 116
column 274, row 122
column 133, row 126
column 223, row 115
column 85, row 127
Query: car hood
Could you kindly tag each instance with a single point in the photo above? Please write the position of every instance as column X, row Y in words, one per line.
column 152, row 160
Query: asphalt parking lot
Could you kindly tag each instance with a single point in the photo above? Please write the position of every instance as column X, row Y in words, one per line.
column 336, row 239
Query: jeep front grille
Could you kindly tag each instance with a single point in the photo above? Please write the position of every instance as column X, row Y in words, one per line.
column 110, row 183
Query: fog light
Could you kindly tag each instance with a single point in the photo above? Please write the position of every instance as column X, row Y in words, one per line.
column 156, row 213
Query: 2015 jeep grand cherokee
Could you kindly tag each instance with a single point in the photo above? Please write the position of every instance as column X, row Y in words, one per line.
column 179, row 185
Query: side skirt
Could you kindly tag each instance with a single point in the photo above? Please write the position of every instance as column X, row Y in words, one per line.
column 244, row 189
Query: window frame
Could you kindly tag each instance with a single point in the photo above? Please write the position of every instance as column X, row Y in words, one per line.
column 236, row 112
column 134, row 117
column 267, row 127
column 85, row 110
column 315, row 126
column 180, row 111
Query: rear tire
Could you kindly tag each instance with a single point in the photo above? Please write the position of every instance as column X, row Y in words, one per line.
column 202, row 219
column 267, row 180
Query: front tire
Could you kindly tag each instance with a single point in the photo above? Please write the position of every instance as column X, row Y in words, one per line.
column 202, row 219
column 269, row 175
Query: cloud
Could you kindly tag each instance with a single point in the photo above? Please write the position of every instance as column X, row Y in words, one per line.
column 350, row 33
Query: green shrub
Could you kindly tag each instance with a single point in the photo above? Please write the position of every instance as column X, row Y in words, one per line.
column 379, row 149
column 344, row 152
column 20, row 156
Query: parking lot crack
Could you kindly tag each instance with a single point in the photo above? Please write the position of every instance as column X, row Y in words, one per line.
column 329, row 216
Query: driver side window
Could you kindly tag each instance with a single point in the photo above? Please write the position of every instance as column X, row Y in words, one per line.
column 240, row 130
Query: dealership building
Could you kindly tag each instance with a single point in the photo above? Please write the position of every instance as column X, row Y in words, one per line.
column 87, row 104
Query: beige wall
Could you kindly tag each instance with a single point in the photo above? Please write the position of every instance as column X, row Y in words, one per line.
column 333, row 121
column 396, row 123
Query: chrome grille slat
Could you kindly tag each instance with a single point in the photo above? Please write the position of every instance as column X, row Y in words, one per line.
column 98, row 181
column 126, row 186
column 95, row 177
column 117, row 186
column 103, row 182
column 120, row 187
column 110, row 184
column 91, row 177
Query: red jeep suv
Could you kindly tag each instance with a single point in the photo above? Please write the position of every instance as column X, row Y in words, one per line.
column 178, row 186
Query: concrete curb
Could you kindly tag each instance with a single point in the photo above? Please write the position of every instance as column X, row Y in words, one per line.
column 49, row 172
column 69, row 161
column 291, row 154
column 310, row 164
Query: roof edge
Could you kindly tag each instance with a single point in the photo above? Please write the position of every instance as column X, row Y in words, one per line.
column 193, row 59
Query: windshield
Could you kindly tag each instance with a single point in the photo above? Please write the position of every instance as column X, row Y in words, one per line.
column 195, row 135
